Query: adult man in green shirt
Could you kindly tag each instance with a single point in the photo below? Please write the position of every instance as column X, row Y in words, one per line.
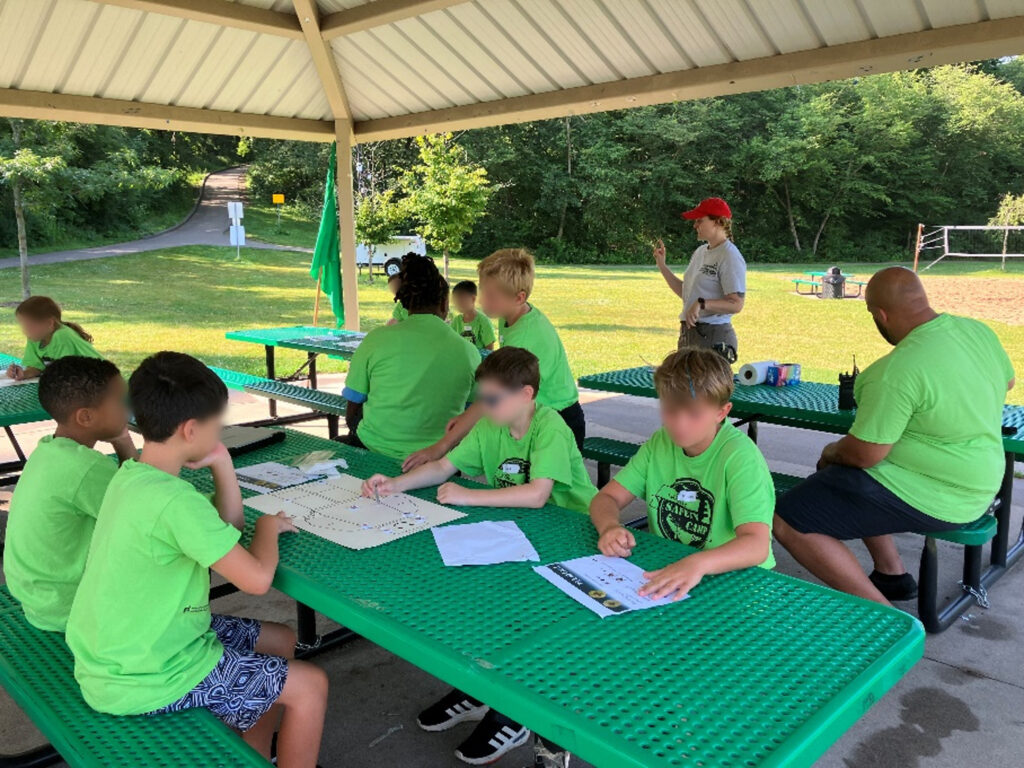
column 924, row 452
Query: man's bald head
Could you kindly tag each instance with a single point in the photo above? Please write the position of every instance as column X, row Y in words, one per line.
column 897, row 300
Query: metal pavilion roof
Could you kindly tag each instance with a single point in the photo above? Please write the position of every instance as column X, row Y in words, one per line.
column 290, row 68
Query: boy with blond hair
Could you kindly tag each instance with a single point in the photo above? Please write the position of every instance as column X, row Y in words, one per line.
column 705, row 483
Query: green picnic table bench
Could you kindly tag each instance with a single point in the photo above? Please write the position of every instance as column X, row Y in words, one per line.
column 813, row 285
column 800, row 678
column 811, row 405
column 36, row 669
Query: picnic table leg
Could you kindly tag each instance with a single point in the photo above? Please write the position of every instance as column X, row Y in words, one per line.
column 272, row 404
column 35, row 758
column 752, row 430
column 14, row 444
column 1002, row 554
column 311, row 357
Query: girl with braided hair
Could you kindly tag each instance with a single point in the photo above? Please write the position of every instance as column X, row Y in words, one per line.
column 407, row 380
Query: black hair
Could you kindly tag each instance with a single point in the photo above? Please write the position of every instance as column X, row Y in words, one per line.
column 423, row 289
column 74, row 382
column 512, row 367
column 465, row 286
column 170, row 388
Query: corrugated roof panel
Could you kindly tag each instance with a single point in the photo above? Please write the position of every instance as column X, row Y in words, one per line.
column 607, row 35
column 396, row 96
column 302, row 96
column 220, row 65
column 284, row 72
column 549, row 22
column 478, row 54
column 21, row 24
column 392, row 62
column 893, row 17
column 180, row 61
column 529, row 34
column 252, row 68
column 733, row 25
column 58, row 43
column 445, row 57
column 660, row 51
column 838, row 22
column 688, row 27
column 943, row 13
column 102, row 52
column 142, row 56
column 1001, row 9
column 785, row 24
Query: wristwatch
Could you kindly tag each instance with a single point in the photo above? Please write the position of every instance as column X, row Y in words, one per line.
column 701, row 304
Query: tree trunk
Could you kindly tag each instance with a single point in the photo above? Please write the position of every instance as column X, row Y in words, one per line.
column 568, row 167
column 789, row 215
column 445, row 251
column 824, row 221
column 19, row 215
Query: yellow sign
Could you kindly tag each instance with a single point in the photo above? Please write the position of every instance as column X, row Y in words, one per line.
column 278, row 199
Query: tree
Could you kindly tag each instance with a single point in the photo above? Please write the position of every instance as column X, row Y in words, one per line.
column 1010, row 214
column 27, row 174
column 378, row 217
column 446, row 193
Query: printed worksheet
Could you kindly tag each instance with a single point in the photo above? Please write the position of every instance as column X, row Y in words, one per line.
column 272, row 476
column 5, row 381
column 334, row 509
column 606, row 585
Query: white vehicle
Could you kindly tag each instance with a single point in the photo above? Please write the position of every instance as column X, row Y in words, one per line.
column 397, row 248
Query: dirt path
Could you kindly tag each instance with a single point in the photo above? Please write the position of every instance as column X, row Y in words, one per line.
column 207, row 225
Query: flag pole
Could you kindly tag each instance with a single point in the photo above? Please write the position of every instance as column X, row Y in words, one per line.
column 316, row 303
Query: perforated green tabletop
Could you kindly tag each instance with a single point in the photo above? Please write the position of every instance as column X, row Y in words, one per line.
column 342, row 344
column 19, row 404
column 755, row 669
column 37, row 669
column 272, row 337
column 808, row 403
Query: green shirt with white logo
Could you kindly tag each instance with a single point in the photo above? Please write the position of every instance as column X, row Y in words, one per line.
column 535, row 333
column 547, row 450
column 412, row 377
column 937, row 398
column 53, row 512
column 140, row 623
column 700, row 500
column 479, row 332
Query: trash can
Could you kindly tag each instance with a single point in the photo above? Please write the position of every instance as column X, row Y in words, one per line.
column 833, row 284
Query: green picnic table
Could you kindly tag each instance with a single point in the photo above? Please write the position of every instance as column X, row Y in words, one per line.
column 755, row 669
column 812, row 405
column 19, row 404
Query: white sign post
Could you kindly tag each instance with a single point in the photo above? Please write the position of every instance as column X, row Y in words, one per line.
column 237, row 231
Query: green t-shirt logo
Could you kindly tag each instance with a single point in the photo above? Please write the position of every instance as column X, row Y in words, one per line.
column 468, row 335
column 683, row 511
column 512, row 471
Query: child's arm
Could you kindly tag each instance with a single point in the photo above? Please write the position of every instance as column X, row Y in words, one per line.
column 614, row 539
column 124, row 447
column 749, row 548
column 252, row 570
column 18, row 373
column 491, row 347
column 423, row 476
column 227, row 496
column 531, row 495
column 457, row 429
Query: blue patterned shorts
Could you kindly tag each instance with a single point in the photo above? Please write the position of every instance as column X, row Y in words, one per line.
column 244, row 685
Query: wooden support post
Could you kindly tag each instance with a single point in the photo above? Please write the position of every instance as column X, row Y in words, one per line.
column 347, row 224
column 917, row 245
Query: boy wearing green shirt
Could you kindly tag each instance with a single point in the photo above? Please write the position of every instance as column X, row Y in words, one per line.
column 529, row 457
column 705, row 483
column 475, row 327
column 58, row 496
column 50, row 337
column 140, row 626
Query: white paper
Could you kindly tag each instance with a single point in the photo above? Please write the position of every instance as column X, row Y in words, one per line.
column 334, row 509
column 484, row 543
column 272, row 476
column 606, row 585
column 8, row 382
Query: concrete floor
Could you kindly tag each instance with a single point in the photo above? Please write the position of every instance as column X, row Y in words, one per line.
column 963, row 704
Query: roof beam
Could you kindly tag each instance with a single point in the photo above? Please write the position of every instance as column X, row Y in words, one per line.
column 219, row 12
column 377, row 13
column 37, row 105
column 945, row 45
column 323, row 58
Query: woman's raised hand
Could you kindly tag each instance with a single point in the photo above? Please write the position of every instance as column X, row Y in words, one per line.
column 659, row 251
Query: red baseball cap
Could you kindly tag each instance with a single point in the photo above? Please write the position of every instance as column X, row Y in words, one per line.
column 711, row 206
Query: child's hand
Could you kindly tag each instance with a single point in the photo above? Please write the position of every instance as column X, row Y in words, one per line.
column 217, row 455
column 14, row 371
column 422, row 456
column 450, row 493
column 680, row 578
column 378, row 484
column 617, row 542
column 281, row 522
column 659, row 251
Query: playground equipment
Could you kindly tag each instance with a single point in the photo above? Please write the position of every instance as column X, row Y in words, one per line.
column 969, row 242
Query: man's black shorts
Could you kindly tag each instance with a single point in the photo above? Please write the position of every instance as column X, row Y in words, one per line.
column 848, row 503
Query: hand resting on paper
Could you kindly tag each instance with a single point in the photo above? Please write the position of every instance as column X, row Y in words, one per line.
column 381, row 485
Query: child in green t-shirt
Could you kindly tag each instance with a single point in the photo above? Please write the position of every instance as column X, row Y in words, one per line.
column 58, row 495
column 49, row 337
column 705, row 483
column 393, row 270
column 140, row 626
column 475, row 327
column 529, row 457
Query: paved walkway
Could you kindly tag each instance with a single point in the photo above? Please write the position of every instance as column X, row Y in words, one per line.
column 206, row 225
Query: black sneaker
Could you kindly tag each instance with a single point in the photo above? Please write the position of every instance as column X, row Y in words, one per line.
column 495, row 736
column 454, row 708
column 894, row 588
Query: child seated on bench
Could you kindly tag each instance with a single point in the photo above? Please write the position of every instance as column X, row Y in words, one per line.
column 58, row 496
column 529, row 456
column 705, row 483
column 469, row 322
column 50, row 337
column 140, row 626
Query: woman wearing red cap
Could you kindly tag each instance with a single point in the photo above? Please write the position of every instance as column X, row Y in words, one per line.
column 714, row 283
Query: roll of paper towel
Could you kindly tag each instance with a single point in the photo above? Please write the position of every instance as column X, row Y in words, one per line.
column 755, row 373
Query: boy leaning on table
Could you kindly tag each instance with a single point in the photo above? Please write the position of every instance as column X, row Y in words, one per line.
column 140, row 627
column 529, row 456
column 706, row 484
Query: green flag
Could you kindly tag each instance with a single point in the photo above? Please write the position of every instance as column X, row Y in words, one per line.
column 326, row 264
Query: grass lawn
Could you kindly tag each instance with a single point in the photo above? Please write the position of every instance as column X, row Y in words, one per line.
column 609, row 316
column 261, row 223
